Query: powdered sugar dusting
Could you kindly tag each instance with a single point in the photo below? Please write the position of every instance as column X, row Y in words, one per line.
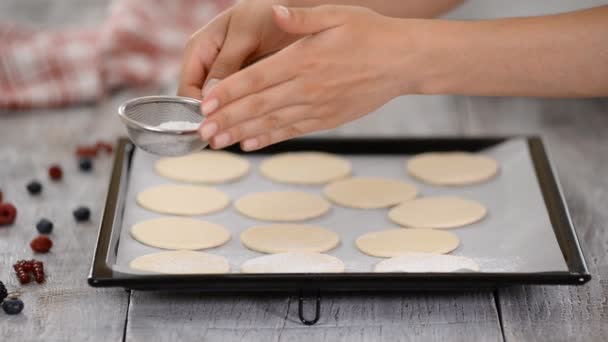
column 425, row 263
column 294, row 262
column 178, row 126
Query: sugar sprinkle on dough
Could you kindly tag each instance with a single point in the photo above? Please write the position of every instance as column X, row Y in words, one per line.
column 294, row 262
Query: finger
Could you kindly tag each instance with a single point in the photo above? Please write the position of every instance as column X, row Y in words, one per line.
column 289, row 132
column 268, row 123
column 252, row 106
column 232, row 55
column 201, row 50
column 266, row 73
column 309, row 20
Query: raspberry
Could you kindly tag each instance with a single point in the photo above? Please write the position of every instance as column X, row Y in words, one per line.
column 3, row 292
column 8, row 213
column 102, row 145
column 41, row 244
column 44, row 226
column 85, row 164
column 34, row 187
column 55, row 172
column 24, row 267
column 86, row 151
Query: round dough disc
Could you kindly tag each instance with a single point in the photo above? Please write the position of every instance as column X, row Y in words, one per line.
column 437, row 212
column 179, row 233
column 452, row 168
column 394, row 242
column 210, row 167
column 305, row 168
column 281, row 238
column 369, row 192
column 294, row 262
column 181, row 262
column 426, row 263
column 183, row 199
column 282, row 206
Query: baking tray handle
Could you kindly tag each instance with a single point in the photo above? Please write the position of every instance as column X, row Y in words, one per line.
column 315, row 319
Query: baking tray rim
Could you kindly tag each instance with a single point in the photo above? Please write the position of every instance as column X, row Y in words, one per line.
column 102, row 275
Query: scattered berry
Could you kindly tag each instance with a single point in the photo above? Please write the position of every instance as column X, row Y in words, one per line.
column 24, row 267
column 86, row 151
column 22, row 272
column 82, row 214
column 8, row 213
column 55, row 172
column 102, row 145
column 85, row 164
column 44, row 226
column 12, row 306
column 3, row 292
column 34, row 187
column 38, row 271
column 41, row 244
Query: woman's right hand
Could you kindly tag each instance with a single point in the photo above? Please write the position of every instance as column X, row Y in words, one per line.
column 236, row 37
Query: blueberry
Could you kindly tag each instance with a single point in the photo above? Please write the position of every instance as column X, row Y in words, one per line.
column 82, row 214
column 12, row 306
column 34, row 187
column 44, row 226
column 85, row 164
column 3, row 292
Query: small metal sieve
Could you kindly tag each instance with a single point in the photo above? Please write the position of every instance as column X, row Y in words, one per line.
column 143, row 115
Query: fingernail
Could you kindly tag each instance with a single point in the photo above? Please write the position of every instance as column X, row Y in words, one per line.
column 209, row 86
column 210, row 106
column 208, row 130
column 250, row 144
column 281, row 11
column 222, row 140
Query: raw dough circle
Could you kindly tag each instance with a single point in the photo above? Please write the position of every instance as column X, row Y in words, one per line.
column 437, row 212
column 305, row 168
column 426, row 263
column 281, row 238
column 294, row 262
column 183, row 199
column 394, row 242
column 180, row 233
column 452, row 168
column 369, row 192
column 211, row 167
column 282, row 206
column 181, row 262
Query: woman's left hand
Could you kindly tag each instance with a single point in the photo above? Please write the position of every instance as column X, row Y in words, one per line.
column 349, row 64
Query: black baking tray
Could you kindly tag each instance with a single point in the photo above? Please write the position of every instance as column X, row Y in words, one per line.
column 102, row 275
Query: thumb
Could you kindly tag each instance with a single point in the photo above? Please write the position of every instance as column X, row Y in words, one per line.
column 308, row 20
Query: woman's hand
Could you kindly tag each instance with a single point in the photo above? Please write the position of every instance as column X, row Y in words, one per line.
column 241, row 34
column 348, row 65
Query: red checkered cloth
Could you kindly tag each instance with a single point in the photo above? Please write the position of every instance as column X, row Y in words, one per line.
column 140, row 43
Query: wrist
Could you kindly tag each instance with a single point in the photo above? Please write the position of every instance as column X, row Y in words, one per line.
column 433, row 58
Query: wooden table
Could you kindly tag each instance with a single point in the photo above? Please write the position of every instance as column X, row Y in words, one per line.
column 66, row 308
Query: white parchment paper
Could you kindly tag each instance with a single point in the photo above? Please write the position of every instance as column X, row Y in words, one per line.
column 516, row 236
